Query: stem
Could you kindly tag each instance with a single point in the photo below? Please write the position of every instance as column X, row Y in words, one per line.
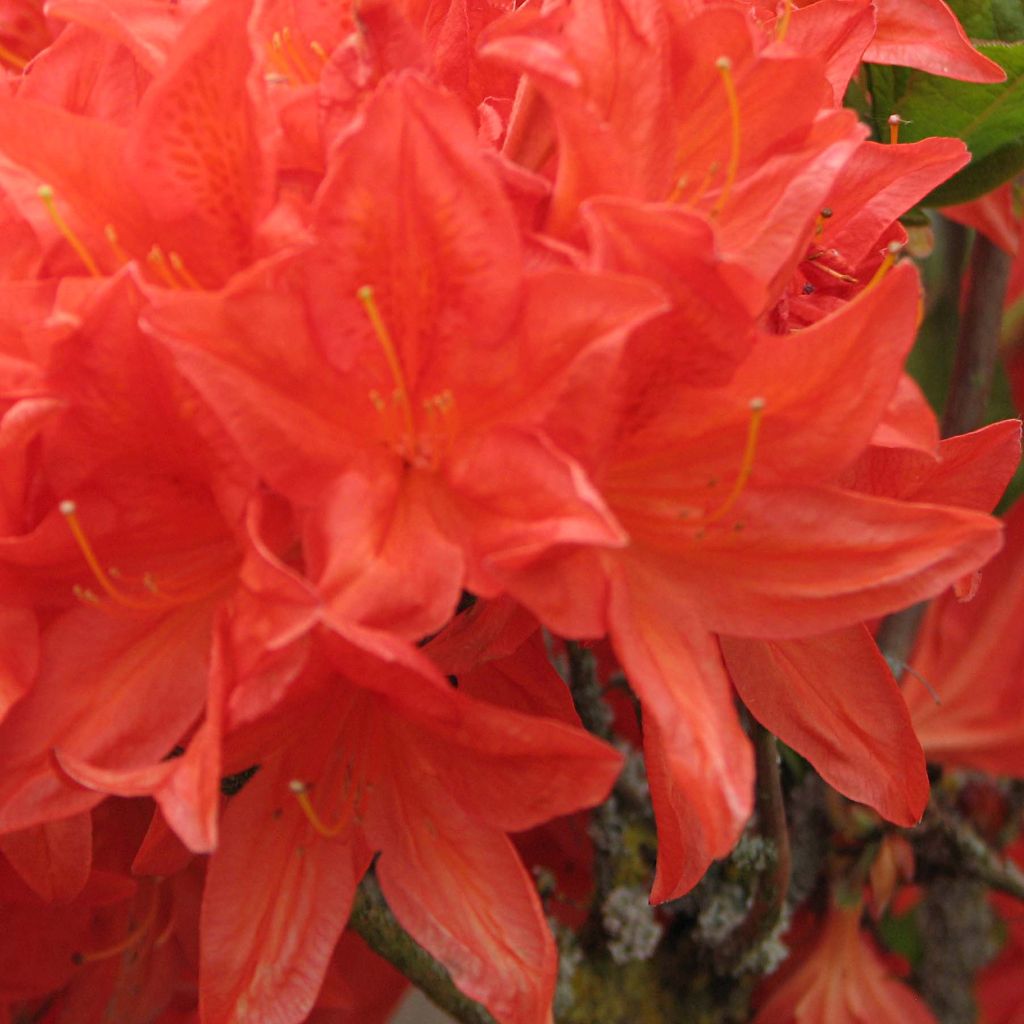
column 963, row 852
column 978, row 343
column 977, row 350
column 586, row 692
column 373, row 921
column 772, row 886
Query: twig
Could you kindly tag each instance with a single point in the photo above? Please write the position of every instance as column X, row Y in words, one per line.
column 771, row 885
column 586, row 692
column 978, row 344
column 373, row 921
column 963, row 852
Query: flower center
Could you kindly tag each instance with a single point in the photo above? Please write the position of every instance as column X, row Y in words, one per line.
column 141, row 593
column 724, row 67
column 420, row 437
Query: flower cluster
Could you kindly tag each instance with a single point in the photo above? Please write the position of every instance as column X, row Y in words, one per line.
column 356, row 358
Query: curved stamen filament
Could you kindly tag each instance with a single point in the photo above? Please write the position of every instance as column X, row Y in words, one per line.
column 110, row 233
column 366, row 297
column 45, row 193
column 885, row 266
column 69, row 511
column 724, row 66
column 178, row 266
column 296, row 55
column 130, row 940
column 16, row 62
column 746, row 465
column 782, row 25
column 301, row 793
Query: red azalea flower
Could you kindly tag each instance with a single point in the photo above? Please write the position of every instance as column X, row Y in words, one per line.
column 426, row 361
column 387, row 756
column 840, row 978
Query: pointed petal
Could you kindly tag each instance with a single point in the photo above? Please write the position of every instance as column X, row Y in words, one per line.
column 802, row 378
column 277, row 898
column 925, row 34
column 411, row 208
column 463, row 894
column 879, row 184
column 699, row 762
column 186, row 788
column 971, row 471
column 112, row 690
column 838, row 31
column 195, row 151
column 807, row 561
column 972, row 654
column 833, row 699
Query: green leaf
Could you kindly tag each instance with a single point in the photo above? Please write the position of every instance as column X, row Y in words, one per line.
column 989, row 118
column 991, row 19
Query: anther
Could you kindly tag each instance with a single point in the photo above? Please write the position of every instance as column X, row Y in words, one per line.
column 891, row 252
column 318, row 50
column 156, row 259
column 894, row 128
column 45, row 193
column 724, row 66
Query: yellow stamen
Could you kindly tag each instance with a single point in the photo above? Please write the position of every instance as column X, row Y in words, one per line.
column 277, row 58
column 18, row 63
column 677, row 190
column 156, row 259
column 724, row 66
column 441, row 425
column 891, row 251
column 156, row 600
column 297, row 57
column 366, row 297
column 782, row 25
column 130, row 940
column 45, row 193
column 318, row 49
column 894, row 128
column 746, row 465
column 301, row 793
column 69, row 511
column 110, row 233
column 178, row 265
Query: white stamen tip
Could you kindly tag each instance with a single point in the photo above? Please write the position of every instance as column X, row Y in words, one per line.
column 67, row 508
column 756, row 404
column 297, row 786
column 723, row 64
